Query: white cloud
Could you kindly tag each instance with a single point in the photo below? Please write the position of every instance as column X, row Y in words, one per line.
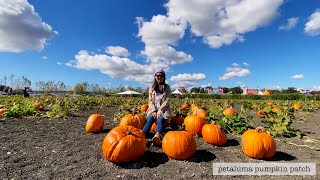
column 117, row 51
column 44, row 57
column 234, row 72
column 59, row 63
column 221, row 22
column 246, row 64
column 235, row 64
column 165, row 54
column 298, row 76
column 291, row 23
column 115, row 67
column 21, row 28
column 188, row 77
column 312, row 27
column 186, row 80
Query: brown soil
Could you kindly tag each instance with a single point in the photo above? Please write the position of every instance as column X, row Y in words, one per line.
column 33, row 148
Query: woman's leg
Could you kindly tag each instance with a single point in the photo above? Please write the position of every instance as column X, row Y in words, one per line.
column 147, row 126
column 160, row 125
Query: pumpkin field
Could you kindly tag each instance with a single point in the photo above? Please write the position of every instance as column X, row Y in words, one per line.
column 51, row 137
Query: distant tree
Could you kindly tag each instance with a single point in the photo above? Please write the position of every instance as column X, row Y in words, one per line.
column 290, row 90
column 81, row 88
column 225, row 90
column 236, row 90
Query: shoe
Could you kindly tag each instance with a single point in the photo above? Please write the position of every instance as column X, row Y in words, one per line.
column 156, row 140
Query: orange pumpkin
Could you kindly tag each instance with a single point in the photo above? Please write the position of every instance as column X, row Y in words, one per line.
column 297, row 106
column 266, row 93
column 229, row 112
column 194, row 124
column 193, row 106
column 258, row 144
column 179, row 145
column 200, row 112
column 270, row 103
column 175, row 122
column 38, row 105
column 275, row 109
column 2, row 110
column 144, row 107
column 154, row 125
column 95, row 123
column 124, row 144
column 260, row 115
column 254, row 106
column 185, row 106
column 135, row 120
column 214, row 134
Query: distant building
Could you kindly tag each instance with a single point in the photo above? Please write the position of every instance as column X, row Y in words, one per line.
column 248, row 91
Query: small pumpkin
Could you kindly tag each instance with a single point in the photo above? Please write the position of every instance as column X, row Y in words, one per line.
column 296, row 106
column 95, row 123
column 229, row 112
column 124, row 144
column 214, row 134
column 270, row 103
column 193, row 106
column 258, row 144
column 275, row 109
column 260, row 114
column 2, row 110
column 200, row 112
column 38, row 105
column 154, row 125
column 266, row 93
column 144, row 107
column 179, row 145
column 135, row 120
column 185, row 106
column 194, row 123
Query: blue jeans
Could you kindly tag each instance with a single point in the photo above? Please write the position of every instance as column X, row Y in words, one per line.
column 150, row 120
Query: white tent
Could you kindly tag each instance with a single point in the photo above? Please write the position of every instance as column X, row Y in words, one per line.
column 129, row 92
column 176, row 92
column 260, row 93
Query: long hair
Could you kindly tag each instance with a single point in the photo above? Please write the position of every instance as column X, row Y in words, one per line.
column 159, row 88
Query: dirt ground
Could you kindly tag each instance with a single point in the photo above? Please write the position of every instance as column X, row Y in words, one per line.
column 34, row 148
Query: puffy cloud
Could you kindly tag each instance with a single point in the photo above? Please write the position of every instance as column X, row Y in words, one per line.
column 166, row 55
column 186, row 80
column 246, row 64
column 291, row 23
column 21, row 28
column 297, row 76
column 312, row 27
column 117, row 51
column 234, row 72
column 221, row 22
column 115, row 67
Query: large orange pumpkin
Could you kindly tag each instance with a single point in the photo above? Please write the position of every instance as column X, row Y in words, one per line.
column 297, row 106
column 184, row 106
column 180, row 145
column 176, row 121
column 258, row 144
column 266, row 93
column 144, row 107
column 194, row 124
column 135, row 120
column 229, row 112
column 95, row 123
column 124, row 144
column 214, row 134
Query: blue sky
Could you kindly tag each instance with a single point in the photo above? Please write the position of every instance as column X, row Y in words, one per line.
column 258, row 44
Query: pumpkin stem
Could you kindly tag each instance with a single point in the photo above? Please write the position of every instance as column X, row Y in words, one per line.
column 128, row 132
column 213, row 122
column 260, row 129
column 133, row 111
